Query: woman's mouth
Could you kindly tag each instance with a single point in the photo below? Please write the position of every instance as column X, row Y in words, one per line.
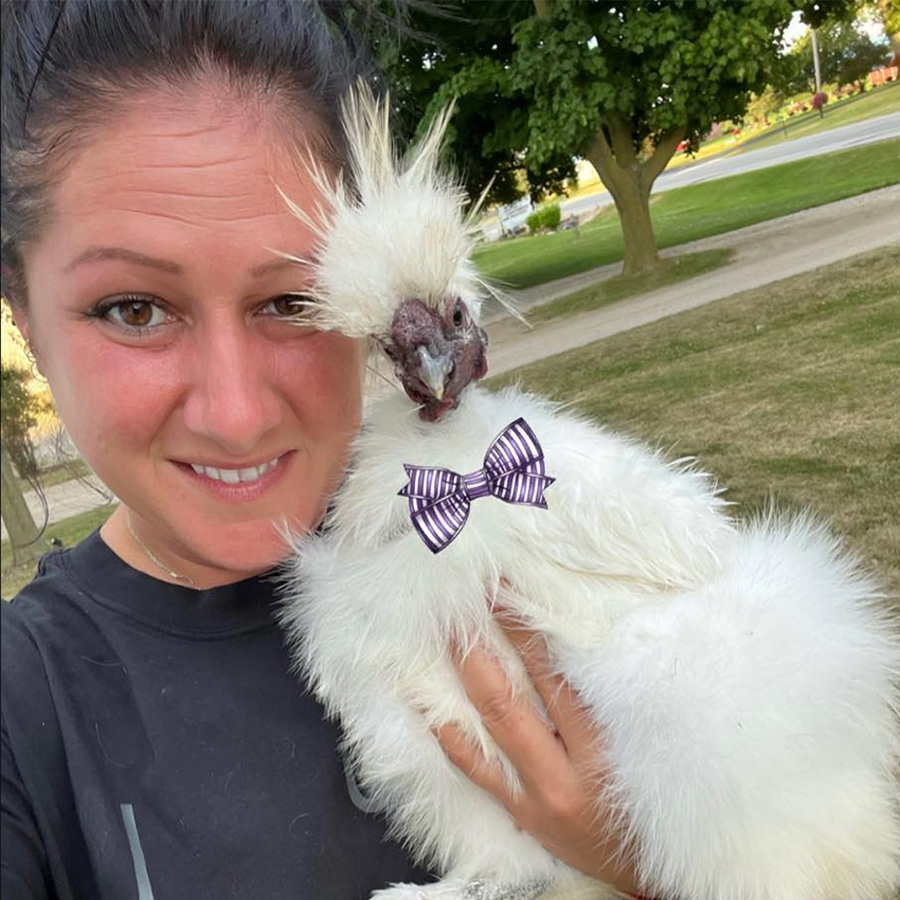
column 239, row 483
column 235, row 476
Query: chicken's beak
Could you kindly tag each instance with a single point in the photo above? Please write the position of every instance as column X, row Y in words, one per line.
column 433, row 371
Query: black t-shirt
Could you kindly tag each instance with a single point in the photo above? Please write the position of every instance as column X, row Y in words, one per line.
column 157, row 747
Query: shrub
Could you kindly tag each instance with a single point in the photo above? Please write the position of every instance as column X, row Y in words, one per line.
column 819, row 100
column 546, row 217
column 551, row 215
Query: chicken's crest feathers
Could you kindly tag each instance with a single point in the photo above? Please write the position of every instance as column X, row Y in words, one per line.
column 394, row 229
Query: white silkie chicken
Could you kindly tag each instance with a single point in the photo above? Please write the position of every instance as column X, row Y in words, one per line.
column 742, row 675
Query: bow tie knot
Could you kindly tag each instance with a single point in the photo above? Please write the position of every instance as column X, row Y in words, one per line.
column 439, row 499
column 476, row 485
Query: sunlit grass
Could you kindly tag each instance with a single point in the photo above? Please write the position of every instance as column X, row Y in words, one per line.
column 788, row 392
column 671, row 270
column 878, row 102
column 68, row 532
column 700, row 210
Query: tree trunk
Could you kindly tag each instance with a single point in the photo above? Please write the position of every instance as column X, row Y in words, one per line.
column 629, row 180
column 633, row 206
column 23, row 533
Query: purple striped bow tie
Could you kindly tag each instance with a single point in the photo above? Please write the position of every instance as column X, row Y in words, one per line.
column 439, row 499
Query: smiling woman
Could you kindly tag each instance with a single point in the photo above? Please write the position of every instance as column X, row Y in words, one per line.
column 155, row 269
column 154, row 740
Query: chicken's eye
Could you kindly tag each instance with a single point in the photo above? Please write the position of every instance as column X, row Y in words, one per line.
column 459, row 314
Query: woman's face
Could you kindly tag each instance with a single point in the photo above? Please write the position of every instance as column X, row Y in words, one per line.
column 157, row 313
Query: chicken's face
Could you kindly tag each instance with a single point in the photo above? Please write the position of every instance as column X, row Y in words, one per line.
column 436, row 353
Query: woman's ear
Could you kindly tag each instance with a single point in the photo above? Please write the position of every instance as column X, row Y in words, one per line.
column 20, row 318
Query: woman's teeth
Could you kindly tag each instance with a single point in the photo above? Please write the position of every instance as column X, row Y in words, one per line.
column 234, row 476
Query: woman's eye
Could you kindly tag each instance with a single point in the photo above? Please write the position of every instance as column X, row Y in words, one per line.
column 289, row 306
column 138, row 314
column 132, row 313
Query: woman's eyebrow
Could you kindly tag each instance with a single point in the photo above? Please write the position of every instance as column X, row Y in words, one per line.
column 274, row 265
column 98, row 254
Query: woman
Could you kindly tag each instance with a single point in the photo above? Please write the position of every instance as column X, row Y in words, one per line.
column 154, row 741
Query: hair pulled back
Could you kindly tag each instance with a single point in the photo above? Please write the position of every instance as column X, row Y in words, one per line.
column 67, row 65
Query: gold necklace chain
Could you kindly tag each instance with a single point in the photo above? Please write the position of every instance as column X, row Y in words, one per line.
column 152, row 557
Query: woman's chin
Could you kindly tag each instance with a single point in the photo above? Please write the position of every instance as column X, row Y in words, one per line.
column 240, row 552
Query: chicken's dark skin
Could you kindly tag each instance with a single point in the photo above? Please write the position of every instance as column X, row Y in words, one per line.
column 436, row 353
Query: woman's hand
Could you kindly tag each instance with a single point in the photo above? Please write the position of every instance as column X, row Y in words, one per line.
column 560, row 771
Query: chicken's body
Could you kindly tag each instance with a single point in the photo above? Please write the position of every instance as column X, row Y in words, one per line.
column 743, row 677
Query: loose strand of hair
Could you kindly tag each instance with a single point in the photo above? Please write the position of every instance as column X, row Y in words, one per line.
column 40, row 67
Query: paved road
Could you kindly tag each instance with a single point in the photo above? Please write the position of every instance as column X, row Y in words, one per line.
column 853, row 135
column 766, row 252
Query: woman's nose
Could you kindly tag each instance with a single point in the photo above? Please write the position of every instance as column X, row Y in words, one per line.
column 232, row 398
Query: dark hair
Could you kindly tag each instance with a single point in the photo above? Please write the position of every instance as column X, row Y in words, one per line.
column 67, row 63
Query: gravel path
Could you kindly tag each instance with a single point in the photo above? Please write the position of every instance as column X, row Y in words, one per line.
column 766, row 252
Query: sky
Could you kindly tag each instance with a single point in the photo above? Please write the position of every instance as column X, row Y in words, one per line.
column 798, row 28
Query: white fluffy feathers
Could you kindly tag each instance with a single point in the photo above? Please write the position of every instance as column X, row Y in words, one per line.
column 392, row 229
column 745, row 677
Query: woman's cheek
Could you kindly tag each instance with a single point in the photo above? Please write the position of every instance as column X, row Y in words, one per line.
column 113, row 393
column 326, row 376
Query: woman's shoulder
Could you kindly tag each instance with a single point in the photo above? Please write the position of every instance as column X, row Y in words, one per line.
column 49, row 577
column 43, row 612
column 50, row 574
column 34, row 622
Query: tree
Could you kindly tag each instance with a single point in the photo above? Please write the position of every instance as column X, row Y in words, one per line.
column 846, row 55
column 763, row 105
column 793, row 73
column 619, row 83
column 888, row 13
column 464, row 54
column 18, row 410
column 861, row 55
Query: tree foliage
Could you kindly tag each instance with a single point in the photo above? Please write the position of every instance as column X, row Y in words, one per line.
column 532, row 90
column 764, row 105
column 19, row 409
column 464, row 54
column 18, row 415
column 539, row 82
column 846, row 56
column 887, row 13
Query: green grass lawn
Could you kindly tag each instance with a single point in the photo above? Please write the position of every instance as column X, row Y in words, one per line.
column 700, row 210
column 877, row 102
column 59, row 474
column 670, row 271
column 788, row 392
column 68, row 531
